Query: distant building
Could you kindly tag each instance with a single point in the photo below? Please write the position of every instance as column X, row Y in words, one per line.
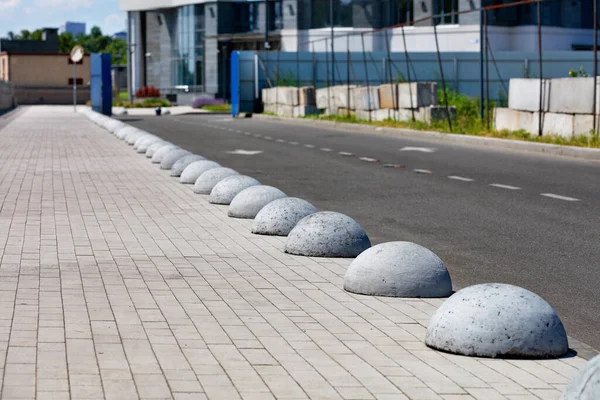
column 120, row 35
column 40, row 74
column 74, row 28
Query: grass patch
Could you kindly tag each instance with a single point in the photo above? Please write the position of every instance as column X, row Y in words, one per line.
column 217, row 107
column 122, row 96
column 146, row 103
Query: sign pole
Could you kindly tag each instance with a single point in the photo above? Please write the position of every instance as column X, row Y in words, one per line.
column 77, row 54
column 75, row 87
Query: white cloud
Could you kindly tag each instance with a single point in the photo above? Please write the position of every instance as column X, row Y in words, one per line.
column 8, row 4
column 114, row 22
column 64, row 4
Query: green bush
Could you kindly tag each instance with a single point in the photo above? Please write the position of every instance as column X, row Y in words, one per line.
column 146, row 103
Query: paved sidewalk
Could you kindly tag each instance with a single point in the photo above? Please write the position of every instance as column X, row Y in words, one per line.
column 118, row 282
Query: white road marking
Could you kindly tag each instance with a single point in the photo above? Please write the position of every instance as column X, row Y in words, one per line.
column 421, row 149
column 310, row 146
column 280, row 141
column 238, row 131
column 257, row 135
column 294, row 143
column 460, row 178
column 369, row 159
column 247, row 133
column 345, row 153
column 326, row 149
column 508, row 187
column 245, row 152
column 422, row 171
column 556, row 196
column 268, row 138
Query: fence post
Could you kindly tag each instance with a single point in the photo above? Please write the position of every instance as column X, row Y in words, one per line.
column 437, row 47
column 539, row 18
column 362, row 38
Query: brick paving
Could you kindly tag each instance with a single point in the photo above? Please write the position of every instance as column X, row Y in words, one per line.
column 117, row 282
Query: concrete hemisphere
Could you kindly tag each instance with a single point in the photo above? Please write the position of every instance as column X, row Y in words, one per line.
column 398, row 269
column 131, row 138
column 144, row 145
column 327, row 234
column 250, row 201
column 121, row 133
column 207, row 181
column 116, row 126
column 182, row 163
column 585, row 385
column 191, row 173
column 153, row 148
column 142, row 139
column 172, row 157
column 163, row 151
column 228, row 188
column 497, row 320
column 279, row 217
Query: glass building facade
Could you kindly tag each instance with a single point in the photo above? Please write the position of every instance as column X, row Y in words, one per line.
column 187, row 57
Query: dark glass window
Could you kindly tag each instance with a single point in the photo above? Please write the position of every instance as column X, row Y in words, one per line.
column 443, row 9
column 348, row 13
column 188, row 47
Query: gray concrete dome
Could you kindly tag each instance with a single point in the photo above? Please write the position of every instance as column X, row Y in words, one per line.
column 398, row 269
column 133, row 136
column 585, row 385
column 251, row 200
column 327, row 234
column 182, row 163
column 172, row 157
column 153, row 148
column 228, row 188
column 121, row 133
column 143, row 139
column 207, row 181
column 144, row 145
column 497, row 320
column 163, row 151
column 279, row 217
column 191, row 173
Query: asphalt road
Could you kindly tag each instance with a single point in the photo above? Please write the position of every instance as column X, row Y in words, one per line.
column 481, row 210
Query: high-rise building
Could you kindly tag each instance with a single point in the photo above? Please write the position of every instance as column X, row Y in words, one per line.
column 74, row 28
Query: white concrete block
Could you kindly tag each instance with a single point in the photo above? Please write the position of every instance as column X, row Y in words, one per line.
column 524, row 94
column 514, row 120
column 417, row 94
column 322, row 97
column 303, row 111
column 284, row 110
column 583, row 124
column 558, row 124
column 572, row 95
column 286, row 95
column 366, row 98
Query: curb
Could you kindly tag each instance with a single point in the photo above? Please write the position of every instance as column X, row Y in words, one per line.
column 532, row 147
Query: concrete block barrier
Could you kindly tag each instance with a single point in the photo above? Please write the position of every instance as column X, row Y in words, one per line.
column 182, row 164
column 205, row 183
column 306, row 96
column 417, row 94
column 365, row 98
column 250, row 201
column 327, row 234
column 172, row 157
column 524, row 94
column 279, row 217
column 585, row 385
column 193, row 171
column 163, row 151
column 398, row 269
column 226, row 190
column 497, row 320
column 303, row 111
column 514, row 120
column 572, row 96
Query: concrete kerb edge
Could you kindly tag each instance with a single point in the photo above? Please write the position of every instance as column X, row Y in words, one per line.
column 583, row 153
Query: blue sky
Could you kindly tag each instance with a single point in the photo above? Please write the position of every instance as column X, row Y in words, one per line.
column 16, row 15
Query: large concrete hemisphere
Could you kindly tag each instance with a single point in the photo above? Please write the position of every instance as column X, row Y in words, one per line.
column 182, row 163
column 228, row 188
column 327, row 234
column 172, row 157
column 497, row 320
column 207, row 180
column 279, row 217
column 143, row 139
column 191, row 173
column 153, row 148
column 133, row 136
column 250, row 201
column 585, row 385
column 398, row 269
column 163, row 151
column 123, row 132
column 144, row 145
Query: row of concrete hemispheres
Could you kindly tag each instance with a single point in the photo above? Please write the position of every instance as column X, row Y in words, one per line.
column 485, row 320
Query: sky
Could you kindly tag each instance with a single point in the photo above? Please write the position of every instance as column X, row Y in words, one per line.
column 16, row 15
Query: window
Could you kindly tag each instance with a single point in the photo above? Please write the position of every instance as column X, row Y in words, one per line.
column 188, row 47
column 443, row 10
column 275, row 15
column 348, row 13
column 402, row 11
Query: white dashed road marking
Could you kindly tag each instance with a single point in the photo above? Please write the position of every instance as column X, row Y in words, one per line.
column 245, row 152
column 508, row 187
column 257, row 135
column 422, row 171
column 346, row 154
column 310, row 146
column 268, row 138
column 280, row 141
column 421, row 149
column 460, row 178
column 327, row 149
column 294, row 143
column 369, row 159
column 558, row 197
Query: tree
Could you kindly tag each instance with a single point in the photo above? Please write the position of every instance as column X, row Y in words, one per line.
column 36, row 35
column 11, row 35
column 25, row 35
